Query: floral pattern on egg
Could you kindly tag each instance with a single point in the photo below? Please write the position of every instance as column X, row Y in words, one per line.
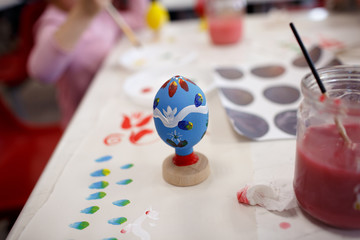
column 180, row 114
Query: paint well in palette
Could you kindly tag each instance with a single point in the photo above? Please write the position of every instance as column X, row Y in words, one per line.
column 127, row 166
column 248, row 124
column 90, row 210
column 230, row 73
column 121, row 203
column 282, row 94
column 117, row 221
column 268, row 71
column 99, row 185
column 286, row 121
column 238, row 96
column 125, row 181
column 100, row 173
column 315, row 54
column 97, row 195
column 79, row 225
column 104, row 158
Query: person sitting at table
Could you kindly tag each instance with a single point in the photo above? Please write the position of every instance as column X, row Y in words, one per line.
column 72, row 38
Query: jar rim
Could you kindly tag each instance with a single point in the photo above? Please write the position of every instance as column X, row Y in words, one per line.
column 340, row 82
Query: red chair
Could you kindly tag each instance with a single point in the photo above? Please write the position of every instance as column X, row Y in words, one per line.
column 13, row 69
column 24, row 152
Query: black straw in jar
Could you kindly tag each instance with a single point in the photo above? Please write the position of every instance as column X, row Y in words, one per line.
column 308, row 59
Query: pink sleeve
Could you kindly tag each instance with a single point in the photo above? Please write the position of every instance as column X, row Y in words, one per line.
column 47, row 61
column 135, row 15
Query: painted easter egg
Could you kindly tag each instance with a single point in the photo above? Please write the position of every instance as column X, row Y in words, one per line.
column 180, row 114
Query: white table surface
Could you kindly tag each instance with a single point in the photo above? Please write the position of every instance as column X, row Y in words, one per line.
column 107, row 85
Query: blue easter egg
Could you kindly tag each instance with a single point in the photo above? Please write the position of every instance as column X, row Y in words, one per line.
column 180, row 114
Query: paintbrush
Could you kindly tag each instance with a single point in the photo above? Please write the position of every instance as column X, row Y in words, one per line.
column 338, row 123
column 113, row 12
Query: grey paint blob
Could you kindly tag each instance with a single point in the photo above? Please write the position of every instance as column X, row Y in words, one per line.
column 248, row 124
column 282, row 94
column 230, row 73
column 333, row 62
column 286, row 121
column 268, row 71
column 238, row 96
column 315, row 54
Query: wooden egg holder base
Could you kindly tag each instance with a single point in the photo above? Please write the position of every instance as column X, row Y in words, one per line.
column 184, row 176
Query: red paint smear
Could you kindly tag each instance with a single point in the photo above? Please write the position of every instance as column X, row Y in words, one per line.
column 146, row 90
column 185, row 160
column 284, row 225
column 329, row 43
column 241, row 195
column 322, row 98
column 136, row 115
column 135, row 137
column 144, row 121
column 112, row 139
column 126, row 124
column 337, row 101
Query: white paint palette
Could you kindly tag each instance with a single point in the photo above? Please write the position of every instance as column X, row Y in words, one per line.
column 142, row 87
column 149, row 56
column 261, row 100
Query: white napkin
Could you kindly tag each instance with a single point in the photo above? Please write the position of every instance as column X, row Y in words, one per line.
column 276, row 195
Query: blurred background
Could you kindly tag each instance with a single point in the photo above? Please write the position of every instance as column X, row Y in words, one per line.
column 28, row 109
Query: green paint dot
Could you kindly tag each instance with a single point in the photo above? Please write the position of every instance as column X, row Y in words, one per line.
column 97, row 195
column 121, row 203
column 124, row 182
column 90, row 210
column 79, row 225
column 117, row 221
column 127, row 166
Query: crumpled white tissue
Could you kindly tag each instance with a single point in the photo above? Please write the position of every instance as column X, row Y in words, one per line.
column 274, row 196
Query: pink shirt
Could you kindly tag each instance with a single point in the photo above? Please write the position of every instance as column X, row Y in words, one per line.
column 72, row 71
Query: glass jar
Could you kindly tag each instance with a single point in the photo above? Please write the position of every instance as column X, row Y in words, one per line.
column 327, row 169
column 225, row 20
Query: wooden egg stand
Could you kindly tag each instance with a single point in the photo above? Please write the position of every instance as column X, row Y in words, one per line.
column 186, row 175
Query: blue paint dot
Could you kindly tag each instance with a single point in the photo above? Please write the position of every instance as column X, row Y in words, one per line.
column 127, row 166
column 79, row 225
column 99, row 185
column 100, row 173
column 121, row 203
column 97, row 195
column 124, row 182
column 103, row 158
column 90, row 210
column 117, row 221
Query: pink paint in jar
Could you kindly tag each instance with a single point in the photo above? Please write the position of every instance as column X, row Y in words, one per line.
column 225, row 20
column 327, row 169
